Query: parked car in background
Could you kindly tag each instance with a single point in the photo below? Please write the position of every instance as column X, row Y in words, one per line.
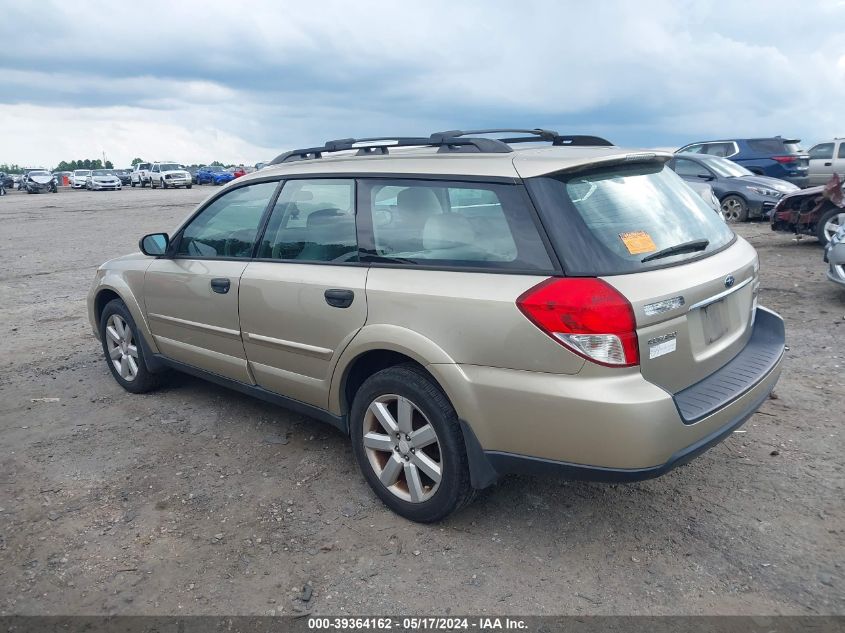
column 239, row 171
column 193, row 171
column 38, row 181
column 102, row 180
column 140, row 175
column 169, row 175
column 125, row 176
column 776, row 156
column 16, row 180
column 214, row 175
column 742, row 195
column 834, row 255
column 413, row 300
column 826, row 159
column 706, row 192
column 79, row 178
column 818, row 211
column 261, row 164
column 7, row 180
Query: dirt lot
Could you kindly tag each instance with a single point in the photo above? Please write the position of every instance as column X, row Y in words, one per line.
column 198, row 500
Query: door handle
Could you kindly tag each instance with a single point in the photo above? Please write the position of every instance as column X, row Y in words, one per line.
column 828, row 164
column 220, row 285
column 339, row 298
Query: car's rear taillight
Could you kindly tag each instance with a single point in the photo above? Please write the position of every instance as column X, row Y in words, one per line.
column 588, row 316
column 785, row 159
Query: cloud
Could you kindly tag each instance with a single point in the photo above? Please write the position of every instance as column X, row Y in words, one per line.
column 227, row 81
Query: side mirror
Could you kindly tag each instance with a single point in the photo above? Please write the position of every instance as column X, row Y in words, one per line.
column 154, row 244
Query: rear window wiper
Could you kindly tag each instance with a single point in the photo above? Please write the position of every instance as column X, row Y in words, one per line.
column 686, row 247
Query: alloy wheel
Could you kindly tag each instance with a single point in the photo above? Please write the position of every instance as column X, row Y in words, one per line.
column 122, row 350
column 402, row 448
column 733, row 209
column 832, row 225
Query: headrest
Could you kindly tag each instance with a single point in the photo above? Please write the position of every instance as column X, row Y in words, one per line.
column 418, row 200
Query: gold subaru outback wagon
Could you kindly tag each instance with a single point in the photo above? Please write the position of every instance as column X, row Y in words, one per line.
column 462, row 305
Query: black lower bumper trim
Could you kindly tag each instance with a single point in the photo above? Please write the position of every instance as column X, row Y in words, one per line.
column 739, row 375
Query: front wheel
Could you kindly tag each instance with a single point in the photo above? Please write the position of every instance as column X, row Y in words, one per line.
column 735, row 209
column 162, row 183
column 188, row 186
column 123, row 351
column 829, row 224
column 409, row 446
column 132, row 184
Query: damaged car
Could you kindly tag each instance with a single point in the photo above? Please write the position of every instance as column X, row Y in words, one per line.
column 817, row 211
column 38, row 181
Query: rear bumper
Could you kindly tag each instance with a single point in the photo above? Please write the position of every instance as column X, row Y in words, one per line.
column 617, row 428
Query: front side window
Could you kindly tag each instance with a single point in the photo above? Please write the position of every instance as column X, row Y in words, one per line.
column 227, row 227
column 626, row 218
column 823, row 151
column 452, row 224
column 691, row 169
column 313, row 220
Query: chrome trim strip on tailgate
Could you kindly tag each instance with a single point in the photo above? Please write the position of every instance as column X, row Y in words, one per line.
column 706, row 302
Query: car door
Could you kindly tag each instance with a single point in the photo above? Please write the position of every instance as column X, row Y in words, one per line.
column 821, row 163
column 303, row 298
column 191, row 296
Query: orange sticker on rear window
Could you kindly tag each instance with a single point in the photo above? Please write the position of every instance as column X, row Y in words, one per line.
column 638, row 242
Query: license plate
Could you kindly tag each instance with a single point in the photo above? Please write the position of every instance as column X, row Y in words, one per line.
column 714, row 320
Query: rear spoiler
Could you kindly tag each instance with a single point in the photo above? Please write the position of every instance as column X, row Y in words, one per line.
column 617, row 159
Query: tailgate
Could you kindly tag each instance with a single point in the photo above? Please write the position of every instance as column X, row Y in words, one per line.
column 694, row 318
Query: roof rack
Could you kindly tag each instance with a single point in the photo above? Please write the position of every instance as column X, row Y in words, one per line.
column 382, row 145
column 450, row 141
column 537, row 135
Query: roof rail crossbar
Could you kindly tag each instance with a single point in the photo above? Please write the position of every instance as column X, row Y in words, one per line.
column 382, row 145
column 537, row 135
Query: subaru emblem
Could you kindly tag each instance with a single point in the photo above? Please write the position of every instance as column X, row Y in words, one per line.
column 729, row 281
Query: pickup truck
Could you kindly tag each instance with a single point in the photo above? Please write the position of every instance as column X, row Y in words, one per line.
column 140, row 175
column 166, row 175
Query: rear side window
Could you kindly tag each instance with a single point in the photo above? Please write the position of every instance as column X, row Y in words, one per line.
column 477, row 225
column 841, row 153
column 313, row 220
column 625, row 219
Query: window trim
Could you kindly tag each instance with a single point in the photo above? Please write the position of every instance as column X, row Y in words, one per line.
column 701, row 165
column 173, row 248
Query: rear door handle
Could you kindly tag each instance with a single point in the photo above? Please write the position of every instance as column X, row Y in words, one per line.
column 221, row 285
column 339, row 298
column 828, row 164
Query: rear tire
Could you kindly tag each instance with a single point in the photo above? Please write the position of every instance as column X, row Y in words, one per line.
column 123, row 350
column 735, row 209
column 162, row 183
column 828, row 224
column 402, row 466
column 188, row 186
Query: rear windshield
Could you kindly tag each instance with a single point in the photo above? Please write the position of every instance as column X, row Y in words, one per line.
column 626, row 218
column 774, row 146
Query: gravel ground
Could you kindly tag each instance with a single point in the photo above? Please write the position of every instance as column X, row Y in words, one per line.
column 198, row 500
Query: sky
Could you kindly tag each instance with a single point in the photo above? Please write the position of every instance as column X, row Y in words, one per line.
column 240, row 82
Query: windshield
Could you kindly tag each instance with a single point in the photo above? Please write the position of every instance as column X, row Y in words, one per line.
column 40, row 173
column 102, row 172
column 82, row 172
column 726, row 168
column 608, row 220
column 169, row 167
column 215, row 168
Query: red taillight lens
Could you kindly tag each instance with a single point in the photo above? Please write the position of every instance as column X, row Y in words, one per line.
column 785, row 159
column 588, row 316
